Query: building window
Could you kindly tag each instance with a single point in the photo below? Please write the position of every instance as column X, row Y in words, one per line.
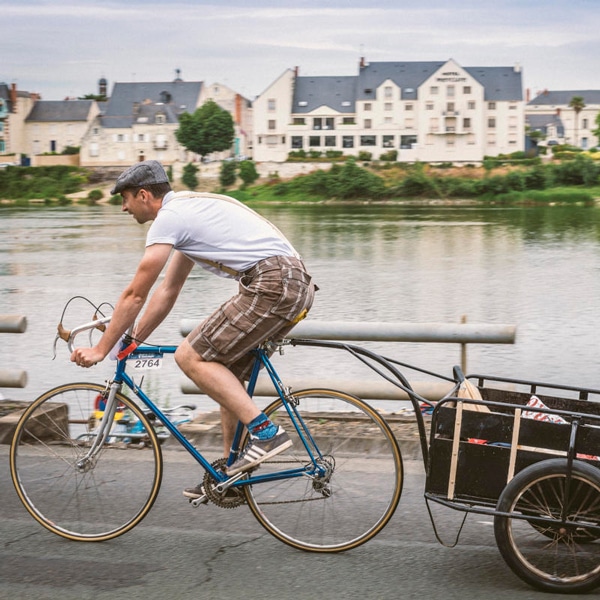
column 387, row 91
column 388, row 141
column 492, row 123
column 407, row 141
column 466, row 89
column 159, row 119
column 330, row 140
column 450, row 91
column 450, row 107
column 271, row 105
column 314, row 141
column 467, row 124
column 429, row 106
column 433, row 90
column 272, row 125
column 388, row 120
column 368, row 123
column 471, row 105
column 368, row 106
column 297, row 141
column 584, row 124
column 491, row 106
column 408, row 107
column 298, row 121
column 348, row 141
column 388, row 106
column 95, row 131
column 323, row 123
column 348, row 121
column 409, row 123
column 368, row 140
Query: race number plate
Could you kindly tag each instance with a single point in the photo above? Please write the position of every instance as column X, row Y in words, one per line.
column 146, row 361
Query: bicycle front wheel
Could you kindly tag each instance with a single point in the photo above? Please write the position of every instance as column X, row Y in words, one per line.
column 70, row 492
column 358, row 489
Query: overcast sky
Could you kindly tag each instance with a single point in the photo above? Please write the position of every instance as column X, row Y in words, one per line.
column 62, row 48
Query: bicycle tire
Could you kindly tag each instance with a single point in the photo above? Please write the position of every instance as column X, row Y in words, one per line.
column 345, row 510
column 93, row 502
column 552, row 557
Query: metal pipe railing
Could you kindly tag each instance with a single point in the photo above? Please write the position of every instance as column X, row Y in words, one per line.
column 12, row 378
column 462, row 333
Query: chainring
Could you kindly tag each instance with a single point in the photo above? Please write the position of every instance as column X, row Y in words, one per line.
column 231, row 498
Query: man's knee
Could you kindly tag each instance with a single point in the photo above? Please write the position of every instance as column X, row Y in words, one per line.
column 185, row 356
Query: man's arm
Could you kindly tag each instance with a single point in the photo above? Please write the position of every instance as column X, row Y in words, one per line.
column 164, row 296
column 128, row 306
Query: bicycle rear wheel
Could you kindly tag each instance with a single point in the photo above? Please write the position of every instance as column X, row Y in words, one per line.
column 356, row 496
column 74, row 496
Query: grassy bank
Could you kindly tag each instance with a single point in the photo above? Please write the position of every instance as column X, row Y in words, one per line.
column 575, row 180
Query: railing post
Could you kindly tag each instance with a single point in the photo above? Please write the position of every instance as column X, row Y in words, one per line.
column 11, row 377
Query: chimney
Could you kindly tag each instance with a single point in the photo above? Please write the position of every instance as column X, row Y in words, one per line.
column 527, row 95
column 13, row 97
column 296, row 71
column 517, row 68
column 238, row 109
column 362, row 64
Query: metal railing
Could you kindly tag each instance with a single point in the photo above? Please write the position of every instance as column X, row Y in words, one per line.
column 12, row 378
column 462, row 333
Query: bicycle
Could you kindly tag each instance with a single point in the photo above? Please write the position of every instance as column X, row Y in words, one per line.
column 321, row 495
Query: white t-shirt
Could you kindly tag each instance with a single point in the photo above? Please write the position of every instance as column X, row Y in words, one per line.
column 222, row 231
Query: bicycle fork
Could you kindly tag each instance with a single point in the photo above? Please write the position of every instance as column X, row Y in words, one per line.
column 86, row 462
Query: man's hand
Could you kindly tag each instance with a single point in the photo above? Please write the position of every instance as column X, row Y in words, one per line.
column 86, row 357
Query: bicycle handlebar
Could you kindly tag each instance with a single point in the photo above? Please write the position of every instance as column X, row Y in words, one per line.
column 69, row 336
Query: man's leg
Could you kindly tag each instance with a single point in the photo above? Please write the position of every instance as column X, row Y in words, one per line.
column 222, row 386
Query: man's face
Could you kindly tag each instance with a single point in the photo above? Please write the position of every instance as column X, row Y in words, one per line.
column 137, row 204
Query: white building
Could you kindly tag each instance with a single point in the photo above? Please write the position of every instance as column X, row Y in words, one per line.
column 53, row 125
column 139, row 122
column 550, row 113
column 427, row 111
column 15, row 105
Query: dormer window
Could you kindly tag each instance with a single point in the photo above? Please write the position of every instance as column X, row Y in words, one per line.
column 160, row 119
column 165, row 97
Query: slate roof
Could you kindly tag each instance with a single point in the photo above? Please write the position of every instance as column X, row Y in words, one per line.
column 130, row 101
column 60, row 110
column 500, row 83
column 339, row 93
column 564, row 97
column 542, row 122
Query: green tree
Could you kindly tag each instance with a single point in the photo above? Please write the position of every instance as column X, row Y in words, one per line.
column 189, row 178
column 227, row 175
column 577, row 104
column 248, row 172
column 209, row 129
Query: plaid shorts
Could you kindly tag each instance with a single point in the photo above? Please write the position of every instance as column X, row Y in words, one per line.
column 271, row 295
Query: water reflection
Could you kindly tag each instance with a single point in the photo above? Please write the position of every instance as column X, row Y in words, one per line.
column 534, row 267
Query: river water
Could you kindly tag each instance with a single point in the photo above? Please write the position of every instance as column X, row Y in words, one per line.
column 536, row 268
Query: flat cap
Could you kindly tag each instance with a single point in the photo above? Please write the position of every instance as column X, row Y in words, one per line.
column 143, row 173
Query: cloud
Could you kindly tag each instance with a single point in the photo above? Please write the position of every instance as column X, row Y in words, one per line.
column 62, row 47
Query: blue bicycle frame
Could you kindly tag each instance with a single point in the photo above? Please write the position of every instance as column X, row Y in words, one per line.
column 262, row 360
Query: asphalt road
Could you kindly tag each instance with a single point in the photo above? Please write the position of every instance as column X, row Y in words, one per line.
column 179, row 552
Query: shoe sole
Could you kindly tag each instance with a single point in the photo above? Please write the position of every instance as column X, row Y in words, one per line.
column 257, row 461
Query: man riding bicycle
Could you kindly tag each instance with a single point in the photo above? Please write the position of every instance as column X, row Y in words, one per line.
column 224, row 236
